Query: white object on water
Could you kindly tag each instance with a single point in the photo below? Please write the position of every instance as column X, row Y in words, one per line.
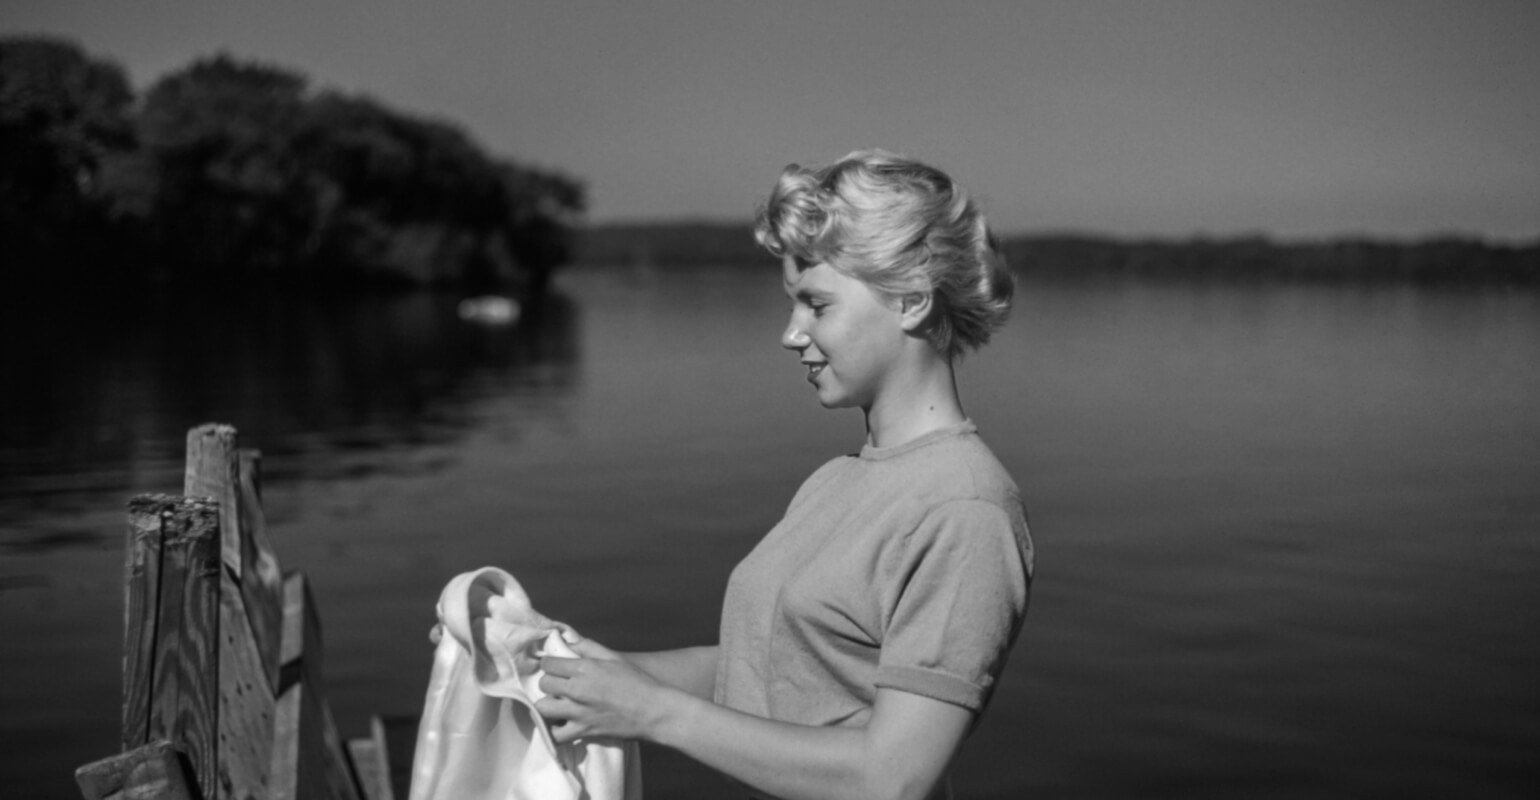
column 490, row 309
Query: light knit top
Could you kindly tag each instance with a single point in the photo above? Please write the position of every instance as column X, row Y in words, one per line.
column 905, row 567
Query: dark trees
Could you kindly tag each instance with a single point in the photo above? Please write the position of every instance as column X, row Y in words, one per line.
column 234, row 169
column 63, row 117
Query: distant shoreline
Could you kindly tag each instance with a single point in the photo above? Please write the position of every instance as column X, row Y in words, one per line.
column 1444, row 259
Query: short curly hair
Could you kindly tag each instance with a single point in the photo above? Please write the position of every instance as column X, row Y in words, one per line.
column 899, row 226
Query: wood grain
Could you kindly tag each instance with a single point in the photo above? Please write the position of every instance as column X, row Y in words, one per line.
column 213, row 472
column 155, row 771
column 247, row 707
column 309, row 758
column 185, row 701
column 141, row 603
column 261, row 579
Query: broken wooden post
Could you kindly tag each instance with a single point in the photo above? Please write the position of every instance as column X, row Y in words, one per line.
column 221, row 657
column 170, row 680
column 217, row 469
column 250, row 608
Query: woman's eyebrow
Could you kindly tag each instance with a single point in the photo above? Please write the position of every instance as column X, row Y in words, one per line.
column 794, row 291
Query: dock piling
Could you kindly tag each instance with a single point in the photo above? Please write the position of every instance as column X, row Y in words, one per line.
column 222, row 652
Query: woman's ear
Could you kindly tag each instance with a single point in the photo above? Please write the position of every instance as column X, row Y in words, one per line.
column 914, row 310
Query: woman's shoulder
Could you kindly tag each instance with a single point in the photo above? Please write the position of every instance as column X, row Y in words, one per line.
column 827, row 473
column 960, row 467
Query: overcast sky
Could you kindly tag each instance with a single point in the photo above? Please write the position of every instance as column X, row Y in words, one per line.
column 1298, row 119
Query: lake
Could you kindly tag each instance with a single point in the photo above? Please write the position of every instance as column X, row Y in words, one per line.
column 1288, row 535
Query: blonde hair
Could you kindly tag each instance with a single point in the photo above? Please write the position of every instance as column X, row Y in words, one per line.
column 901, row 227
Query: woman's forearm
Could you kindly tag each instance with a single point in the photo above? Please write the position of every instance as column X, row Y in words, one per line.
column 691, row 669
column 902, row 752
column 787, row 761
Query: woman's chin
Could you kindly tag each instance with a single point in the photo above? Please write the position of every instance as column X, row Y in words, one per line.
column 834, row 400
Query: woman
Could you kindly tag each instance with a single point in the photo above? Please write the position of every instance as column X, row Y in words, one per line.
column 861, row 639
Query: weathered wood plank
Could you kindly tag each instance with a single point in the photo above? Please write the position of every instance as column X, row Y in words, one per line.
column 284, row 775
column 247, row 707
column 309, row 759
column 289, row 771
column 155, row 771
column 261, row 579
column 397, row 739
column 223, row 657
column 213, row 471
column 185, row 701
column 216, row 468
column 302, row 647
column 251, row 473
column 141, row 589
column 341, row 781
column 373, row 783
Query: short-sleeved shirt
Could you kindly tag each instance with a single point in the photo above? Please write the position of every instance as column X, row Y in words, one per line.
column 905, row 567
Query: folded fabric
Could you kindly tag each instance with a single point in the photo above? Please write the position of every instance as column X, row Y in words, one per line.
column 480, row 737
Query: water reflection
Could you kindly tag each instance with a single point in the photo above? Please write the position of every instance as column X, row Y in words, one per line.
column 1288, row 533
column 103, row 389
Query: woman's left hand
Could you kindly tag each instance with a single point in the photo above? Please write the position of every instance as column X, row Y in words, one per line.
column 598, row 695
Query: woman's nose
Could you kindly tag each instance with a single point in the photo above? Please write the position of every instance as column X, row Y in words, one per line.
column 794, row 338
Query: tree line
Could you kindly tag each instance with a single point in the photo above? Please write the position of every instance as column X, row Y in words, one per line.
column 229, row 169
column 1434, row 260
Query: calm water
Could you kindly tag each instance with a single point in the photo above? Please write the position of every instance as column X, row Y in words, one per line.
column 1289, row 537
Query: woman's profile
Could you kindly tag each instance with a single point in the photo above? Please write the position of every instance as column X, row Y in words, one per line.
column 861, row 639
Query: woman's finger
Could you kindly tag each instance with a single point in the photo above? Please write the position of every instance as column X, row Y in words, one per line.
column 557, row 709
column 568, row 733
column 560, row 667
column 568, row 633
column 552, row 685
column 561, row 715
column 588, row 648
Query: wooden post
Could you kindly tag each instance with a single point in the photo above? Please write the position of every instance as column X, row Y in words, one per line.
column 309, row 759
column 141, row 609
column 383, row 760
column 250, row 605
column 170, row 676
column 216, row 468
column 213, row 637
column 397, row 737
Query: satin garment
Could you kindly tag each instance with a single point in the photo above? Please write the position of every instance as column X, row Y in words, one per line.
column 480, row 737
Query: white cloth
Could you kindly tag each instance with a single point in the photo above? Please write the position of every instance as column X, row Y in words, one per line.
column 480, row 737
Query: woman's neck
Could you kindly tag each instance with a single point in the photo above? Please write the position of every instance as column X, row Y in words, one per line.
column 924, row 400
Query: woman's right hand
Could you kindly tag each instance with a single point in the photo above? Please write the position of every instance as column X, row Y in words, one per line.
column 588, row 648
column 599, row 696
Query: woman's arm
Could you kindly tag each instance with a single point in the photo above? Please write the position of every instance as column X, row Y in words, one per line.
column 691, row 669
column 902, row 752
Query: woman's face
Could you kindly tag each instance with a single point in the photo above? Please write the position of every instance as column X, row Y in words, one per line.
column 847, row 335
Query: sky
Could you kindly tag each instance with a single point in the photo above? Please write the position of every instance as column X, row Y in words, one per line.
column 1297, row 119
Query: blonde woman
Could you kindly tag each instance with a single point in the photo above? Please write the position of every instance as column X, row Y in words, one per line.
column 862, row 638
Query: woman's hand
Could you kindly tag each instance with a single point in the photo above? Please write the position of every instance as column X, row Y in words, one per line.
column 585, row 647
column 599, row 695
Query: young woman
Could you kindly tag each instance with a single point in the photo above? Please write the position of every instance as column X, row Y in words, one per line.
column 861, row 639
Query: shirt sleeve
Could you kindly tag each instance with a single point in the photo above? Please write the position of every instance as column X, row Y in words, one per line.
column 956, row 602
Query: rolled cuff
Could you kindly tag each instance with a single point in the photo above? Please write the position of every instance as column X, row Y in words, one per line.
column 936, row 685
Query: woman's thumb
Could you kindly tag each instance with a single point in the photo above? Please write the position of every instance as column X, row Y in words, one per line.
column 588, row 648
